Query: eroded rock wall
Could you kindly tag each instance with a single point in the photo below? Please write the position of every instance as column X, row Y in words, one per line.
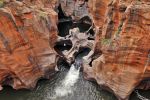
column 27, row 35
column 124, row 43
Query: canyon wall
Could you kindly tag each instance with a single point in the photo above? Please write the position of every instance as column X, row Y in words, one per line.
column 27, row 35
column 121, row 59
column 124, row 42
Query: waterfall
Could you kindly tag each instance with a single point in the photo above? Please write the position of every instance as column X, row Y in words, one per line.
column 67, row 85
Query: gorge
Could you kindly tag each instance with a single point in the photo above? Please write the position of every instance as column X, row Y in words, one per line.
column 42, row 39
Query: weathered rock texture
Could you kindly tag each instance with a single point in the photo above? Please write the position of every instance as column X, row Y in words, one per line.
column 27, row 34
column 124, row 43
column 122, row 40
column 120, row 51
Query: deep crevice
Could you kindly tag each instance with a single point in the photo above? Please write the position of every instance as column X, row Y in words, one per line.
column 8, row 80
column 65, row 23
column 62, row 46
column 83, row 51
column 62, row 63
column 63, row 27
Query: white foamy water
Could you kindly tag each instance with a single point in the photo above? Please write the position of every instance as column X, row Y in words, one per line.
column 67, row 84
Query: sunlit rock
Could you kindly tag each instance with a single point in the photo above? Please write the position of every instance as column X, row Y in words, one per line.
column 124, row 41
column 26, row 51
column 36, row 34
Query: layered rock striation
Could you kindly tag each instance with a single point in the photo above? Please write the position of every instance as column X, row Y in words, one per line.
column 26, row 52
column 117, row 32
column 124, row 43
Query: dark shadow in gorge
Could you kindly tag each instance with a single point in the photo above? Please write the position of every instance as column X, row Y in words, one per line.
column 144, row 93
column 63, row 27
column 83, row 51
column 62, row 64
column 84, row 24
column 62, row 45
column 143, row 90
column 67, row 23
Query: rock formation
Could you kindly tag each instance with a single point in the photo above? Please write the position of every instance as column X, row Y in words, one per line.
column 120, row 60
column 25, row 51
column 124, row 43
column 34, row 33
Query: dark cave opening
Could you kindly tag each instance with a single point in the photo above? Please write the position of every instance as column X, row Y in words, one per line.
column 61, row 13
column 63, row 27
column 8, row 80
column 62, row 46
column 142, row 90
column 66, row 26
column 84, row 25
column 83, row 51
column 145, row 84
column 62, row 63
column 66, row 23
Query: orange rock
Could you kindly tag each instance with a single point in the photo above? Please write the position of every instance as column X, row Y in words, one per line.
column 28, row 33
column 124, row 44
column 25, row 51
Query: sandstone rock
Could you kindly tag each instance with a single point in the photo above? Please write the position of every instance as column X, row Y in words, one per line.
column 125, row 45
column 26, row 54
column 119, row 56
column 74, row 8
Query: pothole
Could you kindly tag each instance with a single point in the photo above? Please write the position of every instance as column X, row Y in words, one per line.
column 62, row 46
column 76, row 38
column 83, row 51
column 61, row 64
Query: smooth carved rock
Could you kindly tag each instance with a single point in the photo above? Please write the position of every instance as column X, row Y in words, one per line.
column 119, row 56
column 78, row 40
column 124, row 43
column 77, row 9
column 25, row 51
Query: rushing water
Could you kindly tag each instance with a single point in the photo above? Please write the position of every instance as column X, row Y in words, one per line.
column 82, row 90
column 67, row 85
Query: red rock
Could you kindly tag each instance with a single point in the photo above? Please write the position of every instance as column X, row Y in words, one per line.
column 125, row 45
column 26, row 54
column 28, row 33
